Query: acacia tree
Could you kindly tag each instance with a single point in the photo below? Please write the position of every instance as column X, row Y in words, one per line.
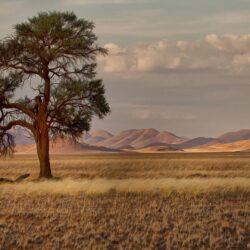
column 54, row 52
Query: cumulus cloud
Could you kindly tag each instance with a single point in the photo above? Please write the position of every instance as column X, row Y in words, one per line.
column 213, row 52
column 118, row 60
column 230, row 43
column 140, row 57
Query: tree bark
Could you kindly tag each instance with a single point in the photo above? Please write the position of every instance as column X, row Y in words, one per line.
column 43, row 155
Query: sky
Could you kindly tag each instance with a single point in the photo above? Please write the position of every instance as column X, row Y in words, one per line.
column 179, row 66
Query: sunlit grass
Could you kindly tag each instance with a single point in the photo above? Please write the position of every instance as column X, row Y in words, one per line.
column 189, row 201
column 134, row 166
column 101, row 186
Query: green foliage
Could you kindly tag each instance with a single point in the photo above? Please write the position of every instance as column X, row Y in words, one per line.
column 61, row 50
column 57, row 40
column 8, row 85
column 81, row 100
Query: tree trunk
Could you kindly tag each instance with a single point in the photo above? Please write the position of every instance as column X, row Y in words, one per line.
column 43, row 155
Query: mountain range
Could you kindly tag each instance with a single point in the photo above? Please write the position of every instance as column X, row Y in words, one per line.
column 138, row 140
column 64, row 146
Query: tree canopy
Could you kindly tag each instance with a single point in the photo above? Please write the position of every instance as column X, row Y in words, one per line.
column 54, row 52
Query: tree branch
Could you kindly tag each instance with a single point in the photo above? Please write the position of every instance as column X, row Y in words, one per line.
column 21, row 123
column 20, row 107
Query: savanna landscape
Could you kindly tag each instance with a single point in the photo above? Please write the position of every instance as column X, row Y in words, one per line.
column 124, row 124
column 124, row 201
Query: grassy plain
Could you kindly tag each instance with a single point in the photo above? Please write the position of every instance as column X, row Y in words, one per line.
column 121, row 201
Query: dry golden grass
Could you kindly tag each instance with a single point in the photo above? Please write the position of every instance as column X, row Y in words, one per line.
column 192, row 186
column 172, row 201
column 117, row 166
column 125, row 221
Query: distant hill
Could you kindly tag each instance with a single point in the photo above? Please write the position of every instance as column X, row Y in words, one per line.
column 197, row 142
column 65, row 146
column 95, row 136
column 139, row 138
column 242, row 146
column 126, row 147
column 228, row 142
column 243, row 134
column 160, row 144
column 158, row 147
column 21, row 136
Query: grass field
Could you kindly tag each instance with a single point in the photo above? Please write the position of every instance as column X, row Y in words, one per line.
column 139, row 201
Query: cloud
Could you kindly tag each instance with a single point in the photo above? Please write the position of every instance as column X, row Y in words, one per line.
column 141, row 57
column 229, row 53
column 230, row 42
column 117, row 62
